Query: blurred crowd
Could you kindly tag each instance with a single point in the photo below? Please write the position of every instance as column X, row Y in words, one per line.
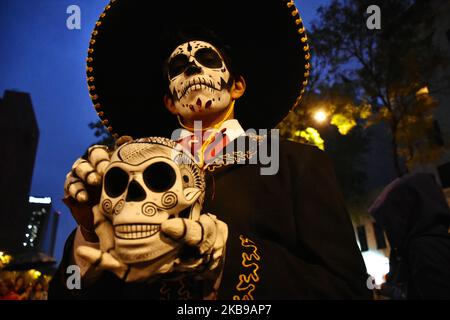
column 20, row 286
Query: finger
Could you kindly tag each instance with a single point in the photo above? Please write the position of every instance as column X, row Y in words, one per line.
column 86, row 172
column 74, row 187
column 210, row 232
column 66, row 184
column 98, row 157
column 217, row 253
column 219, row 246
column 177, row 229
column 222, row 228
column 215, row 261
column 200, row 233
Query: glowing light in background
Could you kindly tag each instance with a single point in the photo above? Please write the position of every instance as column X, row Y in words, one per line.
column 320, row 116
column 34, row 273
column 46, row 200
column 377, row 265
column 4, row 259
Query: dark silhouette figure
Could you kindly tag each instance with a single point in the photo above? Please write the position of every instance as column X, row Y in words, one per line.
column 416, row 217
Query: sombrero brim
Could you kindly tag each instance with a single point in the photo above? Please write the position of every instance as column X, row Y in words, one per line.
column 129, row 45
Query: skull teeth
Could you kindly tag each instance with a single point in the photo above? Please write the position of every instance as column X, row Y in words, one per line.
column 136, row 231
column 197, row 84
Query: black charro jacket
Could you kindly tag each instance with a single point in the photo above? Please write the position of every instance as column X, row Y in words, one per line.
column 290, row 236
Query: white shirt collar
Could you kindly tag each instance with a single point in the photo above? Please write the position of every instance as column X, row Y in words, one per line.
column 234, row 130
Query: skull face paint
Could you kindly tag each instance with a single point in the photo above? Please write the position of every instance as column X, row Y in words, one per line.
column 147, row 182
column 199, row 79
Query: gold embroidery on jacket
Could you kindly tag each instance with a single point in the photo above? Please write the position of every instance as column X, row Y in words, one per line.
column 236, row 157
column 164, row 291
column 183, row 291
column 175, row 290
column 230, row 158
column 247, row 282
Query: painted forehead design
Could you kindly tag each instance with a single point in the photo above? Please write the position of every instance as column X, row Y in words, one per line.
column 189, row 47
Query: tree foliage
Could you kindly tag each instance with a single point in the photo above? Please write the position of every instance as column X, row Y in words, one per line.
column 103, row 135
column 387, row 68
column 340, row 134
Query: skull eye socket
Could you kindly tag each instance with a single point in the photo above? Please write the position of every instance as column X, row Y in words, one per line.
column 177, row 65
column 116, row 182
column 159, row 177
column 209, row 58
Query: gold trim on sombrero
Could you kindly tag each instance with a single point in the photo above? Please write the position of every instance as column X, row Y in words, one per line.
column 303, row 39
column 90, row 70
column 298, row 23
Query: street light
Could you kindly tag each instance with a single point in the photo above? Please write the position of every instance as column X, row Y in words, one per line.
column 320, row 116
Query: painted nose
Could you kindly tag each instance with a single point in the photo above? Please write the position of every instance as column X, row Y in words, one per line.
column 192, row 69
column 135, row 192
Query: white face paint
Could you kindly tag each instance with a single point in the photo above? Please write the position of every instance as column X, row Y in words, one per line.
column 198, row 79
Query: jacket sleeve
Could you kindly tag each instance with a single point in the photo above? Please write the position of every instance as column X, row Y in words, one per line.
column 325, row 262
column 101, row 286
column 58, row 288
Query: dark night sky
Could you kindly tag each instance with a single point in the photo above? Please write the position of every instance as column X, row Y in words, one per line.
column 39, row 55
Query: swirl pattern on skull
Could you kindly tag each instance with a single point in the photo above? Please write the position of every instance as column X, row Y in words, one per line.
column 147, row 182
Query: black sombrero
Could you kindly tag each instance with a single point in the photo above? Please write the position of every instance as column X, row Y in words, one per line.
column 131, row 41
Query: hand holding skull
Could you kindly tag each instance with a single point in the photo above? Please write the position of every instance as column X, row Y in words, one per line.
column 149, row 217
column 82, row 186
column 208, row 236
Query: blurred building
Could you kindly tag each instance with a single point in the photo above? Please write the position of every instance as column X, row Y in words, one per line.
column 19, row 140
column 40, row 232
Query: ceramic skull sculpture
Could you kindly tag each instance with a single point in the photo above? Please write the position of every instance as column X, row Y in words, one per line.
column 147, row 182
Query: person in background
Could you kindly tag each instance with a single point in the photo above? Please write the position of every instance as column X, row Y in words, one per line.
column 7, row 290
column 3, row 289
column 38, row 292
column 416, row 217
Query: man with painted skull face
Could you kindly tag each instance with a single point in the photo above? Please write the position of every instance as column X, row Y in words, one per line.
column 278, row 235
